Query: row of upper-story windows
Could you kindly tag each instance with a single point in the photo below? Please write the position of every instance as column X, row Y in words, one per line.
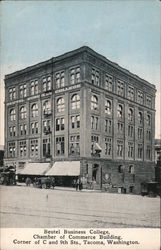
column 120, row 149
column 75, row 104
column 132, row 93
column 74, row 147
column 34, row 127
column 33, row 86
column 75, row 77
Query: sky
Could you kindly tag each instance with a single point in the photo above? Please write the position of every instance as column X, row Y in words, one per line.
column 126, row 32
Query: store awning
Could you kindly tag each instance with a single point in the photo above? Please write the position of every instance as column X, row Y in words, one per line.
column 35, row 169
column 97, row 147
column 65, row 168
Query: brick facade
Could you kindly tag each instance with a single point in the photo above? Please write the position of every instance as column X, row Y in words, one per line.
column 81, row 106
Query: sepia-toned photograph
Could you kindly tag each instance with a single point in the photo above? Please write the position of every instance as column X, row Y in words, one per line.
column 80, row 129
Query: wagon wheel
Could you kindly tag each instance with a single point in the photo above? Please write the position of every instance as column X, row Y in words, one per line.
column 44, row 186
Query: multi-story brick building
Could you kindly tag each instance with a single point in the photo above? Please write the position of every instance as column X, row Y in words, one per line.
column 82, row 108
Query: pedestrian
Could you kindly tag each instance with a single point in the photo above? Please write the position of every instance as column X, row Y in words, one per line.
column 77, row 184
column 80, row 184
column 28, row 181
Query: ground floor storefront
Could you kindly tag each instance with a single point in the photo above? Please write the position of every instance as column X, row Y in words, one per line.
column 94, row 173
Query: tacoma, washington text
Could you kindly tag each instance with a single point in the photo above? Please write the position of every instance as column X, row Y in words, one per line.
column 75, row 237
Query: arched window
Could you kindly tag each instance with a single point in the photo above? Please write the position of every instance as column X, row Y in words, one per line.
column 60, row 104
column 108, row 107
column 94, row 102
column 13, row 114
column 130, row 114
column 75, row 101
column 23, row 112
column 121, row 168
column 34, row 110
column 148, row 120
column 140, row 117
column 131, row 169
column 119, row 111
column 47, row 107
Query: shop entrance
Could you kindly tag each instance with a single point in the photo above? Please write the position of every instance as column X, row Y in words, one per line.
column 95, row 172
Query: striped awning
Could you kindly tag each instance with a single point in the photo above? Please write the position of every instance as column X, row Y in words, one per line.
column 65, row 168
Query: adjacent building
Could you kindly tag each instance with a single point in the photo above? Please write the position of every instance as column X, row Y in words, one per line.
column 80, row 107
column 1, row 155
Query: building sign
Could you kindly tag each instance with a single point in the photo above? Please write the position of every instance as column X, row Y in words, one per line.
column 67, row 88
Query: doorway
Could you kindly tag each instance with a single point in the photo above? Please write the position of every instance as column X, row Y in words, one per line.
column 95, row 172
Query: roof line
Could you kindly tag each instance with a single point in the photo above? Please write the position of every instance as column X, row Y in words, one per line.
column 72, row 53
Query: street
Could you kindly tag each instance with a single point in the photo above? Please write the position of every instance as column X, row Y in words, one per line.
column 29, row 207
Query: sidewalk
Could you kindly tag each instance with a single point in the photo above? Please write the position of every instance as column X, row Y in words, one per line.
column 63, row 188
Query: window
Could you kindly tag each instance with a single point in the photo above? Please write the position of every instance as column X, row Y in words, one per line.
column 60, row 79
column 72, row 121
column 148, row 152
column 60, row 105
column 22, row 148
column 148, row 135
column 130, row 114
column 130, row 93
column 140, row 97
column 46, row 147
column 140, row 133
column 120, row 148
column 75, row 121
column 94, row 102
column 120, row 127
column 130, row 149
column 108, row 107
column 130, row 131
column 12, row 93
column 74, row 145
column 140, row 118
column 78, row 121
column 34, row 128
column 34, row 110
column 108, row 146
column 108, row 82
column 47, row 126
column 59, row 124
column 60, row 146
column 12, row 114
column 121, row 169
column 120, row 88
column 23, row 129
column 148, row 120
column 12, row 131
column 11, row 149
column 75, row 101
column 23, row 91
column 94, row 139
column 47, row 107
column 34, row 87
column 95, row 77
column 140, row 151
column 131, row 169
column 108, row 126
column 34, row 148
column 23, row 112
column 120, row 111
column 149, row 101
column 46, row 83
column 75, row 75
column 94, row 122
